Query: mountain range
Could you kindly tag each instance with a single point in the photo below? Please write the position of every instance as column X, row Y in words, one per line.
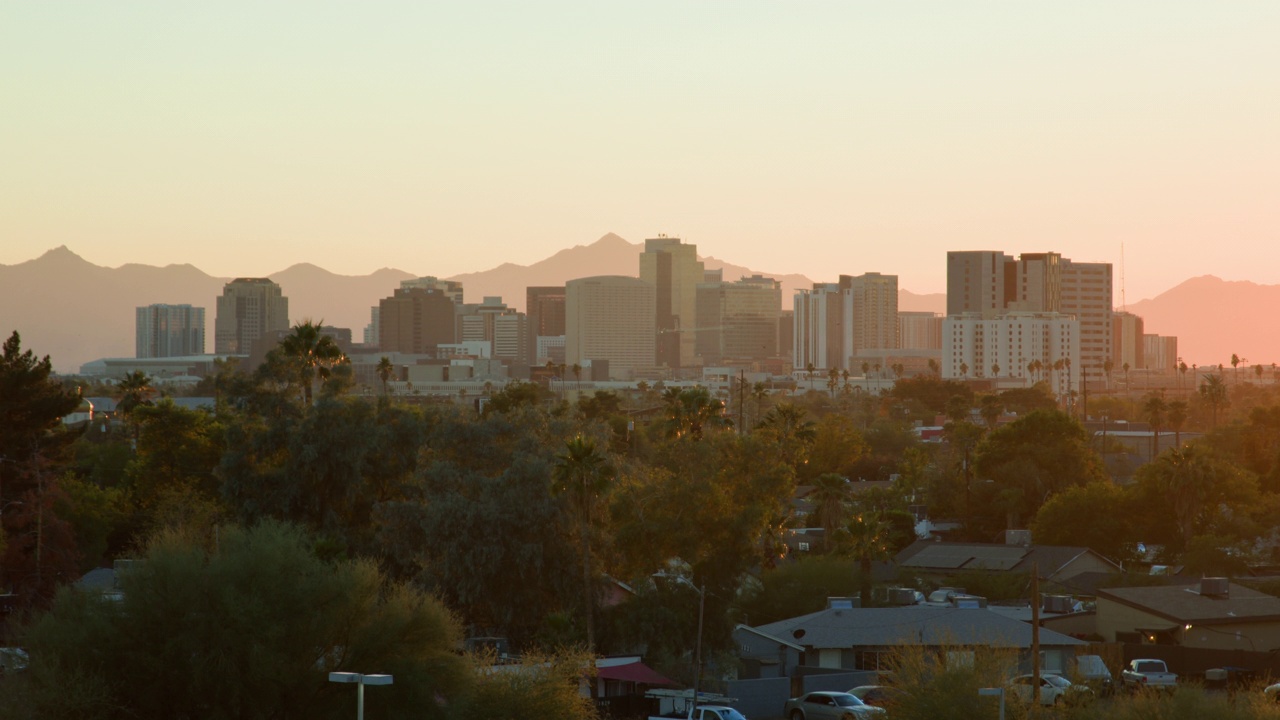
column 75, row 311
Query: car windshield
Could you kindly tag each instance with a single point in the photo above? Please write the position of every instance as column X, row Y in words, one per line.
column 731, row 714
column 1057, row 681
column 847, row 700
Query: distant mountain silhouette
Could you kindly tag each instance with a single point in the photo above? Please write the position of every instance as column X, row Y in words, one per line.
column 1214, row 318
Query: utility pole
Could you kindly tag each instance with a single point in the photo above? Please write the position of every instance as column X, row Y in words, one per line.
column 1035, row 640
column 742, row 402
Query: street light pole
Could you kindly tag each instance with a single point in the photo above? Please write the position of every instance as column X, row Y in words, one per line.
column 697, row 653
column 361, row 681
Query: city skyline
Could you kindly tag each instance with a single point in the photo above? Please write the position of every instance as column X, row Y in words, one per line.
column 243, row 139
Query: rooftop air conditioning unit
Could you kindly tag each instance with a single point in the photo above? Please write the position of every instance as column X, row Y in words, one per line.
column 1214, row 587
column 902, row 596
column 1057, row 603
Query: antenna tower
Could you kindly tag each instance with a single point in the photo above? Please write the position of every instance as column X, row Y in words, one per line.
column 1124, row 305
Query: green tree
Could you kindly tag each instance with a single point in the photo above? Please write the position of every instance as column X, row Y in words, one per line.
column 582, row 474
column 830, row 501
column 991, row 408
column 1176, row 415
column 1196, row 489
column 311, row 355
column 1034, row 457
column 868, row 539
column 1097, row 516
column 786, row 426
column 837, row 447
column 37, row 544
column 248, row 628
column 691, row 412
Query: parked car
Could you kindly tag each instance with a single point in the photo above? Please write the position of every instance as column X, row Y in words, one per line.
column 1148, row 673
column 1093, row 672
column 12, row 660
column 1272, row 692
column 825, row 705
column 704, row 712
column 1053, row 689
column 878, row 695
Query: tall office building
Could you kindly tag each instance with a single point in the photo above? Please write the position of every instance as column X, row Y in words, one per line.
column 1087, row 294
column 416, row 320
column 451, row 289
column 674, row 271
column 248, row 309
column 919, row 331
column 738, row 320
column 819, row 328
column 505, row 329
column 1127, row 344
column 169, row 331
column 975, row 281
column 545, row 308
column 870, row 313
column 1160, row 352
column 610, row 318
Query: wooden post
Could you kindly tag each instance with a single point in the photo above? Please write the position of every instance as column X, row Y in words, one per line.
column 1035, row 640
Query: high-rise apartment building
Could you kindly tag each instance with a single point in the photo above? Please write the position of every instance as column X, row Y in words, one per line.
column 611, row 318
column 416, row 320
column 738, row 320
column 819, row 327
column 992, row 282
column 545, row 308
column 1016, row 345
column 870, row 314
column 248, row 309
column 674, row 271
column 169, row 331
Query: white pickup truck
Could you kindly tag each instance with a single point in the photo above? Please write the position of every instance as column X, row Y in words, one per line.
column 1148, row 673
column 703, row 712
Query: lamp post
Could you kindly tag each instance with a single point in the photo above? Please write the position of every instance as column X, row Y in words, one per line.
column 361, row 681
column 697, row 653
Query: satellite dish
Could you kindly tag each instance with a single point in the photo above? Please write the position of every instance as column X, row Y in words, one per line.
column 797, row 633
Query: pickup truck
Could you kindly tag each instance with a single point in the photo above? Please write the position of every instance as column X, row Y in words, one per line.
column 704, row 712
column 1147, row 673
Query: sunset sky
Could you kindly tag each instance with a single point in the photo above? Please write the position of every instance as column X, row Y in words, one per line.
column 819, row 137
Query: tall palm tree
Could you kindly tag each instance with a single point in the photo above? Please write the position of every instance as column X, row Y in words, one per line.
column 312, row 354
column 1235, row 367
column 385, row 370
column 995, row 370
column 830, row 502
column 990, row 409
column 1182, row 370
column 581, row 472
column 1257, row 371
column 868, row 541
column 964, row 370
column 1155, row 410
column 692, row 411
column 788, row 426
column 577, row 379
column 1177, row 415
column 135, row 389
column 1214, row 391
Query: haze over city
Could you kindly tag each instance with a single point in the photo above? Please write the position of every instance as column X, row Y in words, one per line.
column 820, row 139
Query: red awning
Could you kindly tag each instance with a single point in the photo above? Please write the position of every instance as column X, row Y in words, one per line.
column 636, row 672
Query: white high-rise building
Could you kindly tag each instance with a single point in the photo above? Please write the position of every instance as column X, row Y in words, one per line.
column 610, row 318
column 870, row 319
column 1022, row 346
column 819, row 328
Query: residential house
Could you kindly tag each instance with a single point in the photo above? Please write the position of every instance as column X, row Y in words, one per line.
column 935, row 561
column 1210, row 614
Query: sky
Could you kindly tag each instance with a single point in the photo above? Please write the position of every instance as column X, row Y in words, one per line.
column 817, row 137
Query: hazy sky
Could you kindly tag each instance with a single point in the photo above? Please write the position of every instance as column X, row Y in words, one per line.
column 820, row 137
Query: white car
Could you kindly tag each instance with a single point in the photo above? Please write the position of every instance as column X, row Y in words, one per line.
column 1053, row 689
column 1272, row 692
column 825, row 705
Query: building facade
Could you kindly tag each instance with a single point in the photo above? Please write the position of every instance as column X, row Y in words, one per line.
column 870, row 314
column 1018, row 347
column 919, row 331
column 611, row 318
column 1160, row 353
column 738, row 320
column 673, row 269
column 819, row 328
column 169, row 331
column 544, row 306
column 416, row 321
column 248, row 309
column 1128, row 348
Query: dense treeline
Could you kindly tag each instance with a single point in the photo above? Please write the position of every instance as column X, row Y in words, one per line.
column 524, row 518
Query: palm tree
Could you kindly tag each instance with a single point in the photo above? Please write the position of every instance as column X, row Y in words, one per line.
column 1155, row 410
column 964, row 370
column 577, row 379
column 830, row 501
column 1107, row 367
column 1214, row 391
column 1125, row 367
column 991, row 408
column 385, row 370
column 833, row 381
column 582, row 473
column 995, row 370
column 787, row 424
column 866, row 368
column 1182, row 368
column 868, row 535
column 135, row 389
column 934, row 368
column 1235, row 367
column 1257, row 370
column 311, row 353
column 759, row 392
column 691, row 411
column 1176, row 416
column 809, row 370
